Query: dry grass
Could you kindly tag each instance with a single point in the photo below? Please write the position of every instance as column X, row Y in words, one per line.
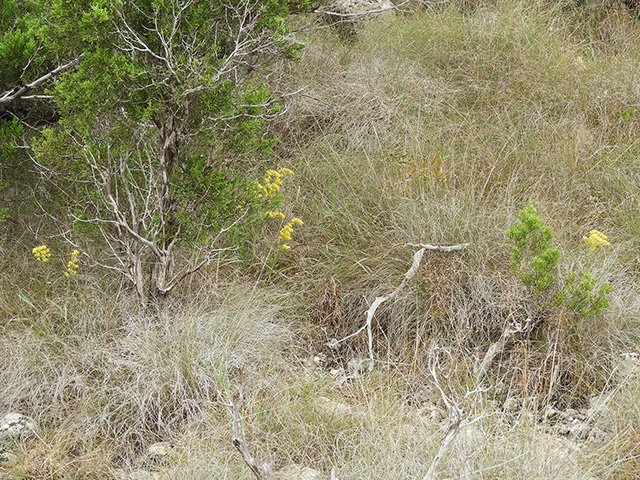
column 110, row 394
column 436, row 127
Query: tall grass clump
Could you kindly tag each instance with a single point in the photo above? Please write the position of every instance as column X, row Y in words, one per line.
column 109, row 393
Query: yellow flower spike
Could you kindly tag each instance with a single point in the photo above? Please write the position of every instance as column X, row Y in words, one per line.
column 42, row 253
column 596, row 239
column 287, row 230
column 272, row 182
column 275, row 214
column 72, row 264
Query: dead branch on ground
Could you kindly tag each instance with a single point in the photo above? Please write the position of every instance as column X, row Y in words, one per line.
column 417, row 258
column 263, row 470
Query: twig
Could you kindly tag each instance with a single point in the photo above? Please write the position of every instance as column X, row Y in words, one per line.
column 498, row 347
column 11, row 95
column 417, row 258
column 349, row 17
column 379, row 10
column 262, row 470
column 456, row 419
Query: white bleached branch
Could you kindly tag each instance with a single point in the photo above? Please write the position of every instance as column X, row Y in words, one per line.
column 417, row 258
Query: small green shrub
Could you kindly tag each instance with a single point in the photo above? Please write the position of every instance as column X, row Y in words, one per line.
column 535, row 259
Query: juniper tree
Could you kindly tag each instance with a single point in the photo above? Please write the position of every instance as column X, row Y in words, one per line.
column 165, row 96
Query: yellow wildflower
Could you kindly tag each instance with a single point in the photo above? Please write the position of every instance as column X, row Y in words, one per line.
column 274, row 214
column 596, row 239
column 42, row 253
column 72, row 264
column 285, row 233
column 272, row 182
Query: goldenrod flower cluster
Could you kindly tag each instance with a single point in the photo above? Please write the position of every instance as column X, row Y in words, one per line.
column 272, row 182
column 285, row 233
column 596, row 239
column 274, row 214
column 41, row 253
column 72, row 264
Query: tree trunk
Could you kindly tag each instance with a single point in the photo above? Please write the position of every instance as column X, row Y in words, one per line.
column 163, row 261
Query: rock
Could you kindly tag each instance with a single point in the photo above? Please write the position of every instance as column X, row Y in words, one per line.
column 355, row 369
column 143, row 475
column 358, row 366
column 159, row 453
column 433, row 413
column 349, row 15
column 320, row 360
column 577, row 425
column 8, row 459
column 588, row 433
column 626, row 368
column 298, row 472
column 137, row 474
column 512, row 405
column 14, row 425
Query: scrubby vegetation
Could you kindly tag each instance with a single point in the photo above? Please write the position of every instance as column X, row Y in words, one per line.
column 511, row 126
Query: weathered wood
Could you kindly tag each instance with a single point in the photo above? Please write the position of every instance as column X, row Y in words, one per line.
column 417, row 258
column 16, row 93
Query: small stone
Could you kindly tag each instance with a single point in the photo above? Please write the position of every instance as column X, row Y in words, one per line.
column 433, row 413
column 143, row 475
column 358, row 366
column 14, row 425
column 8, row 459
column 320, row 359
column 159, row 453
column 338, row 409
column 512, row 405
column 298, row 472
column 626, row 368
column 551, row 414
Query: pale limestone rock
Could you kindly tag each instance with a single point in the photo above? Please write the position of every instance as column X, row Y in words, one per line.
column 137, row 474
column 626, row 368
column 143, row 475
column 8, row 459
column 298, row 472
column 14, row 425
column 349, row 15
column 159, row 453
column 333, row 408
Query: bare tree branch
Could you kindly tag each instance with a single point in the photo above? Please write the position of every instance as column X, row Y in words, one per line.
column 496, row 348
column 457, row 417
column 12, row 95
column 417, row 258
column 379, row 10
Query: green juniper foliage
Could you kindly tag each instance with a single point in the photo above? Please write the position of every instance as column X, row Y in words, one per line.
column 582, row 296
column 21, row 43
column 533, row 257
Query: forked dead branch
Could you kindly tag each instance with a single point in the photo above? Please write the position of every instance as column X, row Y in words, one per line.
column 455, row 408
column 263, row 470
column 417, row 258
